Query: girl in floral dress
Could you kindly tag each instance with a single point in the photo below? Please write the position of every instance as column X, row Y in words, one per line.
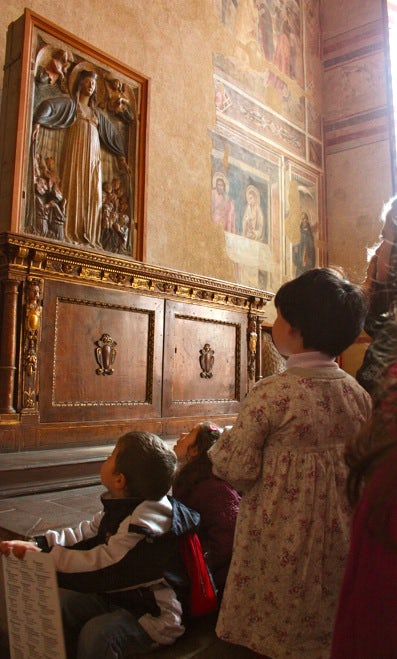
column 285, row 453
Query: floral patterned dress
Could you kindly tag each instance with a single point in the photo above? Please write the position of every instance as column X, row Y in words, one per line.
column 285, row 453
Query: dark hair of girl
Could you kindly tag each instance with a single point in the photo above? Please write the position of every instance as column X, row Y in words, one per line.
column 198, row 468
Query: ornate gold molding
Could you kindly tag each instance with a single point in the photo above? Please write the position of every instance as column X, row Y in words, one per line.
column 40, row 257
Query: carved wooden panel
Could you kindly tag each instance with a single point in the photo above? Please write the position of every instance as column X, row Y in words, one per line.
column 103, row 354
column 205, row 360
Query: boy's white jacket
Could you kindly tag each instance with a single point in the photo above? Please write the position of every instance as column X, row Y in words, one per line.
column 130, row 551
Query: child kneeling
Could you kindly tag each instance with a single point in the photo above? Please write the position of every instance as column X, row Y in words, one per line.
column 122, row 569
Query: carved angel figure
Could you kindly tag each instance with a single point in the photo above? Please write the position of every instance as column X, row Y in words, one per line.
column 118, row 102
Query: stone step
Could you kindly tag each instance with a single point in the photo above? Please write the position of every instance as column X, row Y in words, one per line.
column 32, row 472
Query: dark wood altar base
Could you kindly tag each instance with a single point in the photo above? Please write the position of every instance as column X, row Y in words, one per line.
column 48, row 470
column 93, row 346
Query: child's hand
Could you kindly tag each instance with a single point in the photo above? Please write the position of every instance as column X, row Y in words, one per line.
column 18, row 547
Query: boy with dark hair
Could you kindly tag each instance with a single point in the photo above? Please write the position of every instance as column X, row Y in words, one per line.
column 122, row 568
column 285, row 453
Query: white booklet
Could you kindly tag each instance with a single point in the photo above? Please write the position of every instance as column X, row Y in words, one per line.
column 33, row 609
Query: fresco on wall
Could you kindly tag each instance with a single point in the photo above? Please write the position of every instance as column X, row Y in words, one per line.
column 245, row 190
column 269, row 56
column 313, row 67
column 301, row 220
column 277, row 56
column 237, row 108
column 267, row 92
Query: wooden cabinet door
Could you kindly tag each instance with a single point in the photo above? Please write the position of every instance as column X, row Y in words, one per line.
column 82, row 329
column 205, row 360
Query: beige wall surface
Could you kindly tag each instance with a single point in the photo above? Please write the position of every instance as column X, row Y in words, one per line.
column 354, row 204
column 356, row 129
column 342, row 15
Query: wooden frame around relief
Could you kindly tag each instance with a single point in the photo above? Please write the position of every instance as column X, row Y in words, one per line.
column 45, row 199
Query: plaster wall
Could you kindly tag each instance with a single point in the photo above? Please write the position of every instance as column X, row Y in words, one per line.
column 357, row 129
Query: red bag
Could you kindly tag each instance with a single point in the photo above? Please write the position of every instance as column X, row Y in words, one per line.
column 202, row 595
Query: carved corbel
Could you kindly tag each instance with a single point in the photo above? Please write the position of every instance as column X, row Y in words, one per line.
column 38, row 258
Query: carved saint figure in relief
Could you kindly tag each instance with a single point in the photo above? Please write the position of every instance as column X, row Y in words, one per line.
column 87, row 129
column 115, row 234
column 117, row 101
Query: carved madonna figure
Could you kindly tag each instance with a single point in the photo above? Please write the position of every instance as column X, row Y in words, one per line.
column 75, row 147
